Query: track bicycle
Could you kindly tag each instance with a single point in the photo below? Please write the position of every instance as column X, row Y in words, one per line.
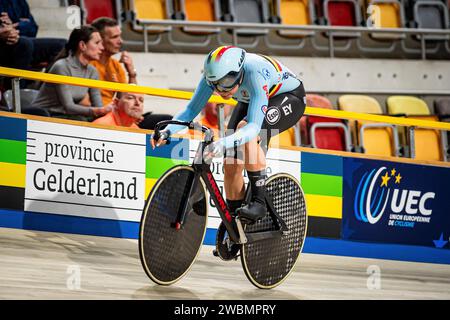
column 174, row 222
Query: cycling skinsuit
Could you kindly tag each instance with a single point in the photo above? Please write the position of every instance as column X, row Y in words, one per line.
column 269, row 97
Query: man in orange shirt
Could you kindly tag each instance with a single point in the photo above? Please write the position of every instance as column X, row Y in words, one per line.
column 210, row 119
column 110, row 69
column 127, row 110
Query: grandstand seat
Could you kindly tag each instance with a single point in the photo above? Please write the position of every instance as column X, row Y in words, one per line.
column 94, row 9
column 285, row 139
column 328, row 133
column 428, row 142
column 27, row 96
column 198, row 10
column 430, row 14
column 315, row 101
column 294, row 12
column 359, row 103
column 251, row 11
column 406, row 105
column 150, row 10
column 386, row 14
column 372, row 138
column 442, row 108
column 342, row 13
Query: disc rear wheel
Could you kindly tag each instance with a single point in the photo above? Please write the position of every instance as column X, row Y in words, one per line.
column 269, row 262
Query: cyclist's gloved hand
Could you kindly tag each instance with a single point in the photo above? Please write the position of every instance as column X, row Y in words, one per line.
column 213, row 150
column 160, row 139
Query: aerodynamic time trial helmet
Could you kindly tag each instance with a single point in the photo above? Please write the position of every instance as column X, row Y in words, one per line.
column 224, row 67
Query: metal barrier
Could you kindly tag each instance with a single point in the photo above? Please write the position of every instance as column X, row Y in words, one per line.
column 175, row 94
column 306, row 29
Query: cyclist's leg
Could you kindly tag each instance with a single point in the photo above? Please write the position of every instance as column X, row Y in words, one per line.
column 255, row 165
column 234, row 163
column 290, row 106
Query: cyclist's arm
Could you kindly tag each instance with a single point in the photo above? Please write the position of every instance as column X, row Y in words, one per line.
column 255, row 115
column 197, row 103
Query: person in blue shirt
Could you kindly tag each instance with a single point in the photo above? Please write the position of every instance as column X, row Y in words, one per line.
column 43, row 50
column 19, row 12
column 271, row 99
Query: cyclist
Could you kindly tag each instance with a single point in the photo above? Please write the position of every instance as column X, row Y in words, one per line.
column 271, row 99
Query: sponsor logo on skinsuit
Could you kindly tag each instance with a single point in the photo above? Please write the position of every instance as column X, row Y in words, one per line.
column 273, row 115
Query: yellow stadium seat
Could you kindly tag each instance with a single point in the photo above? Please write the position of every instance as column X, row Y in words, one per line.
column 359, row 103
column 379, row 141
column 385, row 14
column 150, row 10
column 284, row 139
column 374, row 138
column 406, row 105
column 428, row 144
column 294, row 12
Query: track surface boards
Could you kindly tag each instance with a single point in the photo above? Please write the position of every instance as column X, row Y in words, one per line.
column 42, row 265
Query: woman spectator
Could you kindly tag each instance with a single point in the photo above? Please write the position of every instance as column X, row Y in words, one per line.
column 65, row 101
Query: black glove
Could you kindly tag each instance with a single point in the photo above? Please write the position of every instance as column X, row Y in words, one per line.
column 160, row 136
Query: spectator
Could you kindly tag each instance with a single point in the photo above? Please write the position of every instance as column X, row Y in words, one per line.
column 15, row 51
column 110, row 69
column 127, row 110
column 63, row 101
column 44, row 50
column 210, row 119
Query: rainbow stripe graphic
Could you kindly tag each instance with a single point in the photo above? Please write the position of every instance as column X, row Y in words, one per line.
column 13, row 153
column 218, row 53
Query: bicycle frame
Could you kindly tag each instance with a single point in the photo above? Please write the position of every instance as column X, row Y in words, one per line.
column 233, row 224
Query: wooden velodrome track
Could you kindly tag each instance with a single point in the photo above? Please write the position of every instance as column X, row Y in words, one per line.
column 42, row 265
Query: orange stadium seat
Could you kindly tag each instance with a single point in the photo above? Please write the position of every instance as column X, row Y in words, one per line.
column 198, row 10
column 373, row 138
column 428, row 144
column 442, row 109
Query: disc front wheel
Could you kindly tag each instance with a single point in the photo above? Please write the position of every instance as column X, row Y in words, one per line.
column 168, row 252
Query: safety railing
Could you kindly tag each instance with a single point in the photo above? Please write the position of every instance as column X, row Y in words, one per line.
column 331, row 31
column 17, row 74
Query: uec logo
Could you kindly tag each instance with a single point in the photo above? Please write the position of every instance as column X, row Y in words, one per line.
column 372, row 197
